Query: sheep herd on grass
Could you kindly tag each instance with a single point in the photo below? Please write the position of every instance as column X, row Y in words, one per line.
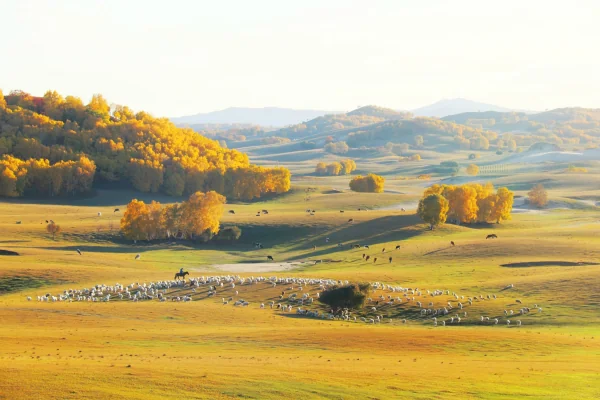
column 387, row 304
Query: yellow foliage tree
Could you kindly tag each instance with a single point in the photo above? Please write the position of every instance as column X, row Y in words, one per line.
column 538, row 196
column 462, row 202
column 321, row 168
column 371, row 183
column 473, row 170
column 334, row 168
column 433, row 209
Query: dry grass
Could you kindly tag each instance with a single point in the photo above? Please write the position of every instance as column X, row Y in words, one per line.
column 206, row 350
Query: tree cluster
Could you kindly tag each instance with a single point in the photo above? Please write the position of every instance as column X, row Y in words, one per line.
column 465, row 204
column 344, row 167
column 371, row 183
column 197, row 218
column 151, row 154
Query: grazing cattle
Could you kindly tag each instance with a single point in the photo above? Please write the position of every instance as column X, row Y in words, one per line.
column 383, row 250
column 402, row 209
column 341, row 211
column 231, row 212
column 364, row 255
column 258, row 215
column 356, row 246
column 366, row 246
column 368, row 257
column 398, row 247
column 116, row 210
column 265, row 212
column 390, row 260
column 137, row 256
column 452, row 243
column 270, row 258
column 492, row 236
column 314, row 247
column 18, row 222
column 99, row 214
column 351, row 220
column 78, row 251
column 374, row 260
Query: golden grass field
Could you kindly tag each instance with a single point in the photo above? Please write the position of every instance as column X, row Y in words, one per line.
column 205, row 350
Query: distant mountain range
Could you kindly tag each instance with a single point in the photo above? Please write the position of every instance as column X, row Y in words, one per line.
column 447, row 107
column 267, row 116
column 280, row 117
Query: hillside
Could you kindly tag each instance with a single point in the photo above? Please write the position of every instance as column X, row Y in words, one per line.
column 55, row 146
column 267, row 116
column 336, row 122
column 455, row 106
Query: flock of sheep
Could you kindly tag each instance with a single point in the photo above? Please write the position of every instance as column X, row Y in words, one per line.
column 388, row 303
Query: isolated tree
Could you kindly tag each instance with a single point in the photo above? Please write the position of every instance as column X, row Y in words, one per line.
column 462, row 202
column 53, row 229
column 473, row 170
column 419, row 140
column 415, row 157
column 538, row 196
column 433, row 209
column 337, row 147
column 371, row 183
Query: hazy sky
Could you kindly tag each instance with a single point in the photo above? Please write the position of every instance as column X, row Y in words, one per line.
column 181, row 57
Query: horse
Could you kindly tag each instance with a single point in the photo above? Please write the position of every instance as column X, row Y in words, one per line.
column 270, row 258
column 492, row 236
column 181, row 275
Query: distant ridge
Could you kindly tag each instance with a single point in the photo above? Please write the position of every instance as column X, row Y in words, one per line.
column 447, row 107
column 267, row 116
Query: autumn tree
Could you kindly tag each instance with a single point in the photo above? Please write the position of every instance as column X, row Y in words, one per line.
column 321, row 168
column 201, row 213
column 53, row 229
column 348, row 166
column 135, row 220
column 538, row 196
column 462, row 202
column 2, row 100
column 433, row 210
column 473, row 170
column 371, row 183
column 334, row 168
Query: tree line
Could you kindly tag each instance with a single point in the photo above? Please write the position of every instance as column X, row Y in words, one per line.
column 37, row 177
column 343, row 167
column 150, row 154
column 197, row 218
column 465, row 204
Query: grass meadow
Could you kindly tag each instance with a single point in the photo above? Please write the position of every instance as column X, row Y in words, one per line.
column 205, row 350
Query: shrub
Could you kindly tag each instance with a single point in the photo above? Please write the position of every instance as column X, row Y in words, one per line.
column 538, row 196
column 229, row 234
column 348, row 296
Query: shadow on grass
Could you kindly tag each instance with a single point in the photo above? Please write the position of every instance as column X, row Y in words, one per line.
column 548, row 264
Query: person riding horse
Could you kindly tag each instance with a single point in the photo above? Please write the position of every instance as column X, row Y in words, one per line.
column 181, row 270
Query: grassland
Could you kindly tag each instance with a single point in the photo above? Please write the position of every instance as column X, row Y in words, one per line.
column 204, row 350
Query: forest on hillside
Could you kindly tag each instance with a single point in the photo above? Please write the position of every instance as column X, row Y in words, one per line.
column 55, row 145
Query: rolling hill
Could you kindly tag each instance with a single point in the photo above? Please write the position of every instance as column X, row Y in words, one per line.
column 267, row 116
